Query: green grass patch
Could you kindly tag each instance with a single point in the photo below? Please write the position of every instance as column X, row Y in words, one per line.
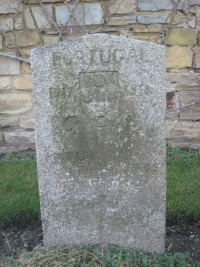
column 19, row 199
column 90, row 257
column 183, row 186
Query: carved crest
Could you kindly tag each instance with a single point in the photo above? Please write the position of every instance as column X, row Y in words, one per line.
column 98, row 93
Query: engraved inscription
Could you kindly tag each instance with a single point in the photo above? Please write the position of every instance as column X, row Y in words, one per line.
column 97, row 56
column 98, row 93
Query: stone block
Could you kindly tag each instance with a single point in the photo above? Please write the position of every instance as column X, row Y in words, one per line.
column 151, row 19
column 23, row 82
column 5, row 83
column 181, row 20
column 99, row 108
column 6, row 24
column 196, row 57
column 156, row 5
column 192, row 22
column 20, row 140
column 10, row 121
column 10, row 6
column 9, row 24
column 47, row 1
column 122, row 7
column 1, row 42
column 18, row 24
column 42, row 20
column 155, row 38
column 50, row 39
column 180, row 36
column 125, row 20
column 15, row 103
column 183, row 134
column 27, row 122
column 197, row 61
column 192, row 112
column 9, row 66
column 183, row 81
column 152, row 28
column 26, row 68
column 193, row 2
column 1, row 139
column 84, row 14
column 179, row 57
column 22, row 39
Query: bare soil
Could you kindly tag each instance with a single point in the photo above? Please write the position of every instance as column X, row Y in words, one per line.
column 184, row 238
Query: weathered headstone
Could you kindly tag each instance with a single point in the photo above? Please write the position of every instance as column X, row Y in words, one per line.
column 99, row 107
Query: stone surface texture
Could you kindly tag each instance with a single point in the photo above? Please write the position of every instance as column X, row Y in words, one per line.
column 155, row 5
column 99, row 105
column 180, row 36
column 9, row 66
column 23, row 82
column 22, row 39
column 124, row 7
column 9, row 6
column 149, row 20
column 179, row 57
column 83, row 14
column 194, row 2
column 41, row 19
column 15, row 103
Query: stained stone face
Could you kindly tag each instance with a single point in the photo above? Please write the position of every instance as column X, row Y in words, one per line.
column 99, row 106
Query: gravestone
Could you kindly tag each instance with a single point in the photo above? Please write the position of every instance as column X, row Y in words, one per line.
column 99, row 104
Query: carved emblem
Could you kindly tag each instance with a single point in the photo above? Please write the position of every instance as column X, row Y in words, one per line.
column 98, row 93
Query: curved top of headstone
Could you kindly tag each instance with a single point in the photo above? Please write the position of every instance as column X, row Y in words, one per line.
column 99, row 38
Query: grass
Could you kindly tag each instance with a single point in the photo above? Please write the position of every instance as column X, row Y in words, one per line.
column 19, row 202
column 183, row 186
column 19, row 199
column 90, row 257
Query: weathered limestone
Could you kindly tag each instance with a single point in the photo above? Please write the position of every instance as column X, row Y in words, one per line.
column 83, row 14
column 180, row 36
column 9, row 121
column 42, row 20
column 1, row 42
column 10, row 6
column 21, row 39
column 23, row 82
column 15, row 102
column 183, row 134
column 193, row 2
column 125, row 20
column 184, row 81
column 4, row 82
column 20, row 140
column 99, row 107
column 47, row 1
column 150, row 19
column 122, row 7
column 155, row 5
column 1, row 139
column 6, row 24
column 190, row 113
column 179, row 57
column 9, row 66
column 27, row 122
column 196, row 61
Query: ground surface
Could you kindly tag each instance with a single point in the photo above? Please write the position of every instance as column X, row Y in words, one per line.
column 178, row 239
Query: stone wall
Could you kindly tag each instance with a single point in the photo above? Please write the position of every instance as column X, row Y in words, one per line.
column 28, row 24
